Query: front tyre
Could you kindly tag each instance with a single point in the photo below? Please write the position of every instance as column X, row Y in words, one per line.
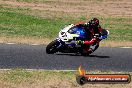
column 52, row 47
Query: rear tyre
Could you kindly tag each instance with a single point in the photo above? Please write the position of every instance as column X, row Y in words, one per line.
column 85, row 52
column 52, row 47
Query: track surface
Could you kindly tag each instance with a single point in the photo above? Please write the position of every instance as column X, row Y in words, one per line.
column 35, row 57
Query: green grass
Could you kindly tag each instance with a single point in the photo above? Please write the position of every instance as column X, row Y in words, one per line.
column 15, row 22
column 120, row 28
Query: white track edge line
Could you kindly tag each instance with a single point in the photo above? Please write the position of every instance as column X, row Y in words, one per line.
column 40, row 44
column 10, row 43
column 126, row 47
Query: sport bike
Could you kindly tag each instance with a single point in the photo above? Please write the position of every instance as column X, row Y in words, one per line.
column 66, row 42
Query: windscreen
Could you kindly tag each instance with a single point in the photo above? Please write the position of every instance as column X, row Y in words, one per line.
column 76, row 30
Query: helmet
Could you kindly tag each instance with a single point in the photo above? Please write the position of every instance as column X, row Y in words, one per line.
column 94, row 22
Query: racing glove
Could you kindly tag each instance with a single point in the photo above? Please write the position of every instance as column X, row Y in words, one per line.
column 80, row 42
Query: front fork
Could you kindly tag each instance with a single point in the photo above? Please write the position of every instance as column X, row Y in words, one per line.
column 64, row 47
column 61, row 44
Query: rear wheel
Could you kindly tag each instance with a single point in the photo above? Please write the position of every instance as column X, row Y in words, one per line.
column 87, row 51
column 52, row 47
column 84, row 51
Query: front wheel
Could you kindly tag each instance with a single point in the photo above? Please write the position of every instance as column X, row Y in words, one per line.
column 52, row 47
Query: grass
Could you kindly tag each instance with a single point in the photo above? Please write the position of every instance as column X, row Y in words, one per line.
column 55, row 1
column 21, row 78
column 45, row 1
column 38, row 78
column 15, row 24
column 120, row 28
column 28, row 23
column 25, row 21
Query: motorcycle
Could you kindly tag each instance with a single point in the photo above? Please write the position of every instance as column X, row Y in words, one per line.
column 67, row 41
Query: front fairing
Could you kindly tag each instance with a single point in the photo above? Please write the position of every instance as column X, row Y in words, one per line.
column 70, row 32
column 104, row 34
column 78, row 31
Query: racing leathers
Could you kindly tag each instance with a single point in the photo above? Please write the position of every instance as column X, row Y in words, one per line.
column 92, row 41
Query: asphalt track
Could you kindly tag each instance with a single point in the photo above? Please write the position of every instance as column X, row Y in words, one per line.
column 35, row 57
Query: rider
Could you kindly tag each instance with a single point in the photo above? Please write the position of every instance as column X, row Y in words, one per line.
column 93, row 30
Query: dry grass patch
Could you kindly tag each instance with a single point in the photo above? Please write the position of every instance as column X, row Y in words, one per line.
column 44, row 41
column 116, row 44
column 24, row 40
column 19, row 78
column 114, row 15
column 77, row 8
